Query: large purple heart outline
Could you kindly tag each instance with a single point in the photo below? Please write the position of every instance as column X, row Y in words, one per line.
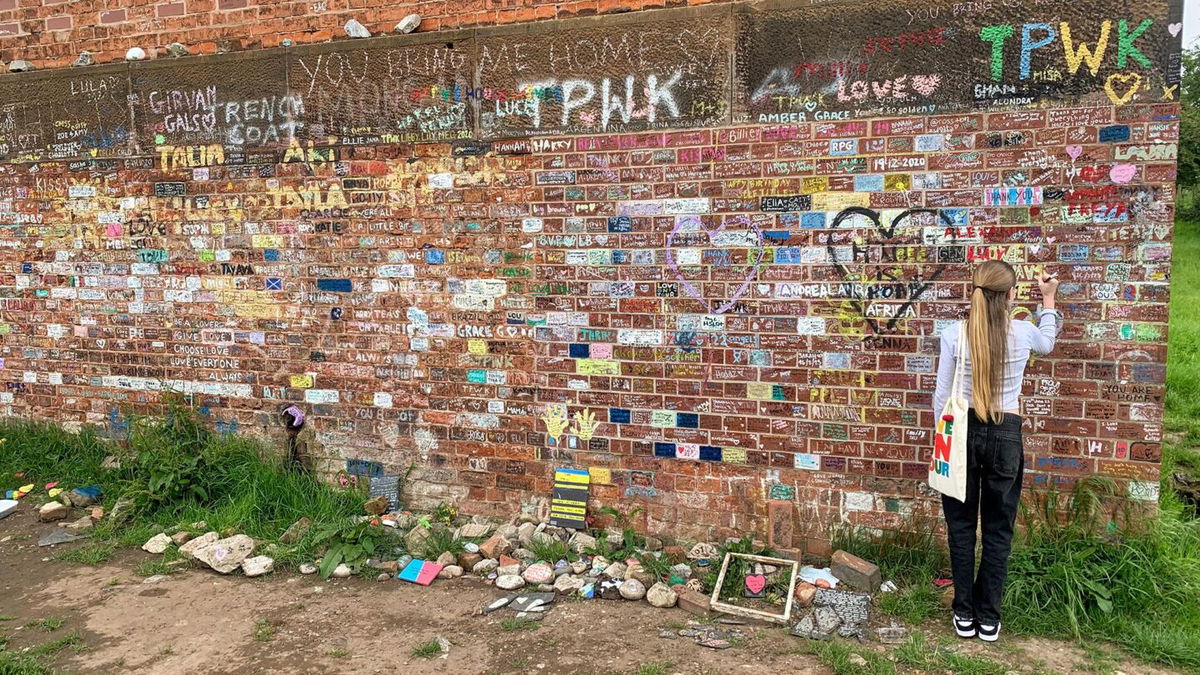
column 888, row 232
column 750, row 276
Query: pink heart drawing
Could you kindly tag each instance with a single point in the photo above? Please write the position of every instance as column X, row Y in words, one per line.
column 755, row 583
column 1074, row 151
column 751, row 274
column 1174, row 29
column 926, row 84
column 1122, row 173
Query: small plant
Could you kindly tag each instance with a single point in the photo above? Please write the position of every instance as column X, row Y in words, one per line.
column 658, row 566
column 439, row 541
column 350, row 544
column 621, row 519
column 48, row 624
column 550, row 549
column 70, row 641
column 444, row 513
column 338, row 653
column 7, row 617
column 263, row 630
column 661, row 668
column 166, row 650
column 427, row 650
column 514, row 625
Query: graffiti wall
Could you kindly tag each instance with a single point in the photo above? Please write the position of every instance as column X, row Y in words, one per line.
column 705, row 254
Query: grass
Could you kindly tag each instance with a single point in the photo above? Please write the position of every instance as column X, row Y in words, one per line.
column 441, row 540
column 914, row 603
column 658, row 668
column 516, row 625
column 263, row 630
column 840, row 657
column 918, row 654
column 427, row 650
column 37, row 659
column 48, row 624
column 93, row 554
column 338, row 653
column 1182, row 412
column 549, row 549
column 168, row 563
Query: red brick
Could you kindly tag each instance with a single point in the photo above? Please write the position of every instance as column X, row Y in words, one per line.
column 10, row 29
column 232, row 4
column 59, row 22
column 7, row 4
column 113, row 16
column 856, row 572
column 170, row 9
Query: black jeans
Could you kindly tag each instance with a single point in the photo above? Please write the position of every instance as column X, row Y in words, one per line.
column 995, row 463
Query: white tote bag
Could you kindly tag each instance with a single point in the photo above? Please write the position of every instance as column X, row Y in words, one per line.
column 948, row 466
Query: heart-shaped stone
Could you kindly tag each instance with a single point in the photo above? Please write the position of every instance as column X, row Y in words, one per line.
column 1074, row 151
column 755, row 583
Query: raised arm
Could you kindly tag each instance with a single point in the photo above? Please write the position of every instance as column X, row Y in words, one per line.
column 1049, row 319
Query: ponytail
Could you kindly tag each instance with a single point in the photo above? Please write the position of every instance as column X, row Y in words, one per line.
column 987, row 335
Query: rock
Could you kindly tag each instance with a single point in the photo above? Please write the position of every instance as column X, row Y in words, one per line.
column 308, row 568
column 85, row 496
column 715, row 643
column 804, row 593
column 532, row 602
column 495, row 546
column 653, row 544
column 415, row 539
column 578, row 567
column 409, row 23
column 581, row 541
column 453, row 570
column 615, row 538
column 377, row 506
column 384, row 576
column 616, row 570
column 157, row 544
column 474, row 531
column 403, row 561
column 567, row 584
column 703, row 551
column 646, row 578
column 135, row 54
column 693, row 601
column 820, row 624
column 525, row 533
column 892, row 635
column 59, row 537
column 85, row 58
column 19, row 66
column 540, row 573
column 609, row 589
column 356, row 30
column 509, row 582
column 446, row 558
column 97, row 512
column 51, row 511
column 855, row 572
column 632, row 589
column 226, row 555
column 258, row 566
column 507, row 570
column 390, row 566
column 675, row 554
column 681, row 570
column 660, row 595
column 155, row 579
column 484, row 566
column 531, row 616
column 508, row 531
column 498, row 603
column 81, row 525
column 199, row 525
column 176, row 49
column 205, row 540
column 525, row 555
column 180, row 538
column 122, row 510
column 296, row 531
column 632, row 569
column 857, row 660
column 468, row 561
column 341, row 571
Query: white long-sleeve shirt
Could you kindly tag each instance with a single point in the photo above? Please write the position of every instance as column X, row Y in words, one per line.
column 1023, row 338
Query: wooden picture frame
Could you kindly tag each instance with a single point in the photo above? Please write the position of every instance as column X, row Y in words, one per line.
column 746, row 612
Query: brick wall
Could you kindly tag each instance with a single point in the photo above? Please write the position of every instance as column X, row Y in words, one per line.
column 705, row 252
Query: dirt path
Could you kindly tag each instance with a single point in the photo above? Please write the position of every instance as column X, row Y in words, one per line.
column 200, row 622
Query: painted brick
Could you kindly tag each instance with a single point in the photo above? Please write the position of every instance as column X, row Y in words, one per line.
column 59, row 23
column 10, row 29
column 170, row 9
column 232, row 4
column 8, row 4
column 113, row 16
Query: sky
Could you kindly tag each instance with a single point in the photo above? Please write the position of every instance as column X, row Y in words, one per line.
column 1191, row 23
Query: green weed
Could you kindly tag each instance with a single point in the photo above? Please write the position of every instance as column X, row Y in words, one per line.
column 338, row 653
column 263, row 630
column 913, row 603
column 48, row 624
column 516, row 625
column 50, row 649
column 95, row 553
column 840, row 657
column 925, row 657
column 439, row 541
column 550, row 549
column 427, row 650
column 914, row 555
column 660, row 668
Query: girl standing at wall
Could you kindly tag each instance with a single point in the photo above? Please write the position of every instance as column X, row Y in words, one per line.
column 998, row 350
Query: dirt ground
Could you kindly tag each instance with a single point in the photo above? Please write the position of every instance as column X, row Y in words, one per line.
column 198, row 621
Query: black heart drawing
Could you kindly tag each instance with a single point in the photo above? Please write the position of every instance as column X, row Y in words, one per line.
column 888, row 232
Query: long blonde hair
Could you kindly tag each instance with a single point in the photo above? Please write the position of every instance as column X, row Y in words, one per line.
column 987, row 333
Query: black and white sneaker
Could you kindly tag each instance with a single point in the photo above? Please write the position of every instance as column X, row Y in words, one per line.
column 964, row 627
column 989, row 632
